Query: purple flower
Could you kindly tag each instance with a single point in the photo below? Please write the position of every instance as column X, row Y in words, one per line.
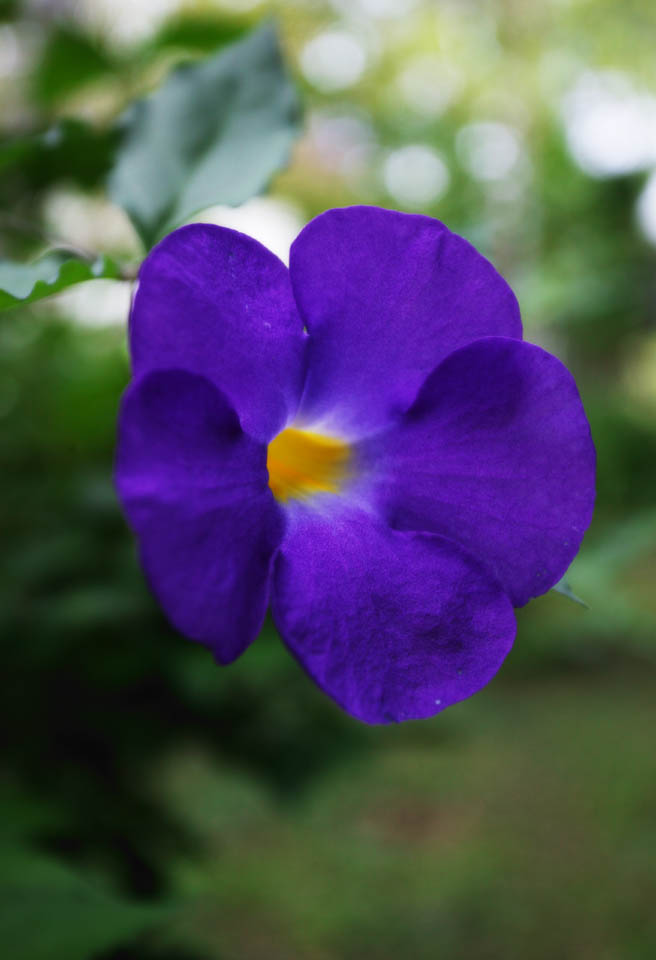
column 363, row 440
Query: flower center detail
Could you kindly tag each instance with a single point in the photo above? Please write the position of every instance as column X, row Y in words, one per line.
column 301, row 463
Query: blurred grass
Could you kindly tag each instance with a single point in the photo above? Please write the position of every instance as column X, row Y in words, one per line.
column 519, row 823
column 239, row 808
column 524, row 830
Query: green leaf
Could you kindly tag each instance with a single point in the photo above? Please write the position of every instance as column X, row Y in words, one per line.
column 47, row 910
column 69, row 60
column 565, row 590
column 215, row 132
column 26, row 282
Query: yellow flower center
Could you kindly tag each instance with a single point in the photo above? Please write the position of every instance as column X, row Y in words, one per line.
column 301, row 463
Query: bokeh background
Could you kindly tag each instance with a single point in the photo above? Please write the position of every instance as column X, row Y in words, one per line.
column 155, row 806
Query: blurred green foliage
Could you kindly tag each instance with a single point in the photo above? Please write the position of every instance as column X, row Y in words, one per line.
column 70, row 60
column 51, row 910
column 155, row 806
column 70, row 151
column 204, row 31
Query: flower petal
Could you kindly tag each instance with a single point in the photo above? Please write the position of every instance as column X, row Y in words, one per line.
column 385, row 297
column 394, row 626
column 217, row 303
column 194, row 488
column 496, row 454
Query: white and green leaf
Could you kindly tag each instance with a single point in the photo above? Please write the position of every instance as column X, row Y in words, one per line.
column 22, row 283
column 215, row 132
